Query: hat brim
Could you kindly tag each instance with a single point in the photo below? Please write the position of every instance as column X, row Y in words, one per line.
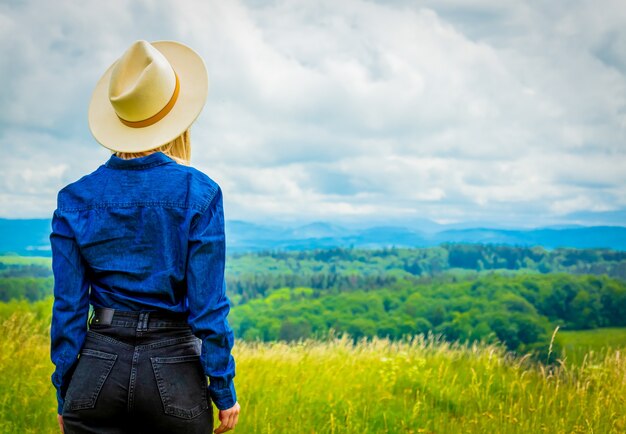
column 111, row 133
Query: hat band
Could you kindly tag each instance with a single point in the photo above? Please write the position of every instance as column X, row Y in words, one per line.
column 160, row 115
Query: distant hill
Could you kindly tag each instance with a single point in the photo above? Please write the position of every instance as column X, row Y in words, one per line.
column 580, row 237
column 30, row 236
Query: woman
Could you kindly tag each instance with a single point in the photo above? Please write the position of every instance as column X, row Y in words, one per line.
column 141, row 239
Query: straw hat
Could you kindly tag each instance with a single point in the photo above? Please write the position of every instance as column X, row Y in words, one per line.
column 148, row 97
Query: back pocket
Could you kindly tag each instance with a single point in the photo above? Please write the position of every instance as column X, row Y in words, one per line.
column 182, row 385
column 91, row 372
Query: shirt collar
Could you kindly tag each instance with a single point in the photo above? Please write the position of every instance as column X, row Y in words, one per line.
column 145, row 162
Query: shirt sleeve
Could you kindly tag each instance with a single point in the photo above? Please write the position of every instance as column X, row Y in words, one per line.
column 208, row 304
column 70, row 309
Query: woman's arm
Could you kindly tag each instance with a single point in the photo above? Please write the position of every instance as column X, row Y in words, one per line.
column 208, row 304
column 71, row 304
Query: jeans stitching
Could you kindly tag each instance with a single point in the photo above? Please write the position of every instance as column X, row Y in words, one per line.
column 95, row 335
column 158, row 344
column 133, row 378
column 165, row 398
column 109, row 361
column 98, row 354
column 176, row 359
column 167, row 342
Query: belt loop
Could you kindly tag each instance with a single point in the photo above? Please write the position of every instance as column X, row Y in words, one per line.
column 142, row 323
column 145, row 320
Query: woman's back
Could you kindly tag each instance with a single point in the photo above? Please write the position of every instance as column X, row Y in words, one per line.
column 132, row 221
column 142, row 240
column 145, row 235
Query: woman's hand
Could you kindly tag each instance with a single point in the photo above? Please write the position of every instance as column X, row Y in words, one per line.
column 60, row 419
column 229, row 419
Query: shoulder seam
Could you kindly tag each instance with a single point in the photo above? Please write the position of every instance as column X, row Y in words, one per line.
column 214, row 190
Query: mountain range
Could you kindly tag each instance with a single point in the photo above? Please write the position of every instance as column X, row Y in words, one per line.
column 30, row 236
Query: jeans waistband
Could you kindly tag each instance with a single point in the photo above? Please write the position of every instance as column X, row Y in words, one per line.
column 142, row 320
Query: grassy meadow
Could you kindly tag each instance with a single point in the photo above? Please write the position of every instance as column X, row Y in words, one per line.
column 25, row 260
column 578, row 344
column 421, row 385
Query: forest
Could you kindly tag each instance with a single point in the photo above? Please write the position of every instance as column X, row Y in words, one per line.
column 253, row 275
column 520, row 311
column 464, row 292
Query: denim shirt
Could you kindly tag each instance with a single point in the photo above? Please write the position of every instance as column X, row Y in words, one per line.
column 142, row 234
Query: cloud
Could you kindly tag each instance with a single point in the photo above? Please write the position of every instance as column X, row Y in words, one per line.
column 500, row 111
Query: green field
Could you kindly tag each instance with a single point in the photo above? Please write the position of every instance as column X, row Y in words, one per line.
column 421, row 385
column 576, row 344
column 25, row 260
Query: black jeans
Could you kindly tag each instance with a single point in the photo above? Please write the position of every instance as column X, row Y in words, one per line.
column 139, row 374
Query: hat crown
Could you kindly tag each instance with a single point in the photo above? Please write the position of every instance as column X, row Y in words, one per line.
column 142, row 82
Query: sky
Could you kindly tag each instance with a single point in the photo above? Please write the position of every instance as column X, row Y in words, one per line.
column 495, row 112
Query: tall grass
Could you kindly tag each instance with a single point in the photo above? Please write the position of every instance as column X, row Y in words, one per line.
column 27, row 400
column 419, row 385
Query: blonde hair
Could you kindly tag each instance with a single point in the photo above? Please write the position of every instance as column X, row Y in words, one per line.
column 178, row 150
